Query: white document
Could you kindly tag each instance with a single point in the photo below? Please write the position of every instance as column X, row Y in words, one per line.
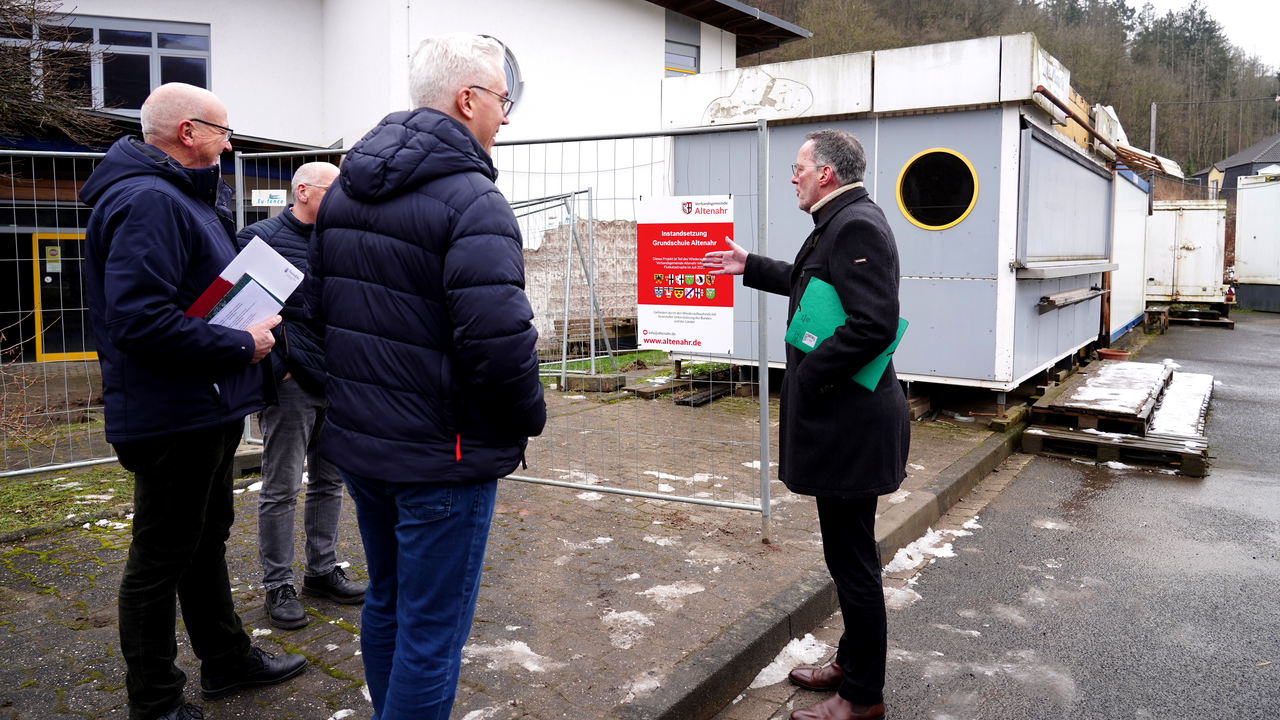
column 246, row 303
column 258, row 260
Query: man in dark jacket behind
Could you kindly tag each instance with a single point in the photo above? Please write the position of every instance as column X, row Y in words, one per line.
column 291, row 430
column 417, row 275
column 838, row 441
column 177, row 390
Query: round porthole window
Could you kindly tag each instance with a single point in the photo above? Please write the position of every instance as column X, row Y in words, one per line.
column 937, row 189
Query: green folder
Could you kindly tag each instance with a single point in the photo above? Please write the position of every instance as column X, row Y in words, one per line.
column 817, row 318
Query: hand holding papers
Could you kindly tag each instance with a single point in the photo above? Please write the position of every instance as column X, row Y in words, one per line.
column 251, row 289
column 817, row 318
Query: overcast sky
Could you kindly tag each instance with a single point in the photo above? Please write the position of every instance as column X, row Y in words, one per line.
column 1253, row 25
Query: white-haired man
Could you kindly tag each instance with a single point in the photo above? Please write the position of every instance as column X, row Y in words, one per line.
column 417, row 275
column 176, row 391
column 291, row 430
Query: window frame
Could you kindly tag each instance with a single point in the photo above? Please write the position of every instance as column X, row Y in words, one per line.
column 97, row 52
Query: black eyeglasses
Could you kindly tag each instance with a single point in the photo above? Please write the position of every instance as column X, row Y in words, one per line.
column 506, row 101
column 228, row 131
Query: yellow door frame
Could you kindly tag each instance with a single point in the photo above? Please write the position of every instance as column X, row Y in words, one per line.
column 41, row 355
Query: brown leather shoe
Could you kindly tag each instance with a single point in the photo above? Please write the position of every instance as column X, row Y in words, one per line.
column 820, row 679
column 837, row 708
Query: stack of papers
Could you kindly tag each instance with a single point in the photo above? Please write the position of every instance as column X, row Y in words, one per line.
column 249, row 290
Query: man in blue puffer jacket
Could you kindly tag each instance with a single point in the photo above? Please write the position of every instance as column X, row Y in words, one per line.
column 417, row 275
column 176, row 390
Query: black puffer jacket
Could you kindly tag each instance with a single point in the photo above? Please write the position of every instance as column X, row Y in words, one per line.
column 298, row 350
column 417, row 277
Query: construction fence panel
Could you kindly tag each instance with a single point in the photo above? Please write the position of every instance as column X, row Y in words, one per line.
column 51, row 412
column 648, row 424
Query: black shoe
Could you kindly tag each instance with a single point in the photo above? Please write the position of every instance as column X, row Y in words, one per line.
column 259, row 667
column 334, row 586
column 185, row 711
column 284, row 609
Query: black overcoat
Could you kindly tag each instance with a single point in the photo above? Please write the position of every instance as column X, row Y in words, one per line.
column 836, row 438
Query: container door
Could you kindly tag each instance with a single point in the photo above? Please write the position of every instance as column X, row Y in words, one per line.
column 1198, row 264
column 62, row 316
column 1162, row 228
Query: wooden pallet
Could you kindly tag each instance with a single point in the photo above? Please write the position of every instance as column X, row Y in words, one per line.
column 1204, row 322
column 1188, row 457
column 705, row 395
column 1060, row 406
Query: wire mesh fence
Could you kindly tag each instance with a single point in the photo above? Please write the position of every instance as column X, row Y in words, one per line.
column 50, row 385
column 641, row 423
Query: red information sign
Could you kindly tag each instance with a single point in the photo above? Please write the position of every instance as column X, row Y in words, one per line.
column 681, row 307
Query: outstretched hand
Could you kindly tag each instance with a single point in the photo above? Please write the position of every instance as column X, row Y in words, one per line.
column 726, row 262
column 262, row 337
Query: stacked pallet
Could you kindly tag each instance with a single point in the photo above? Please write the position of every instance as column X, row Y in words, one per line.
column 1130, row 412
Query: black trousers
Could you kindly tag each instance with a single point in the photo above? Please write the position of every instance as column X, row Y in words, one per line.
column 849, row 546
column 182, row 514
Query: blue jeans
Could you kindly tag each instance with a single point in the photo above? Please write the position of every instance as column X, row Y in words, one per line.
column 290, row 434
column 424, row 545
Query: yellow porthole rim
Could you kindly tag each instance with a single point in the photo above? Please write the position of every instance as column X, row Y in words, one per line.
column 903, row 173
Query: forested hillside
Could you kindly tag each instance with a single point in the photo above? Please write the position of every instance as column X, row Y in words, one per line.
column 1117, row 55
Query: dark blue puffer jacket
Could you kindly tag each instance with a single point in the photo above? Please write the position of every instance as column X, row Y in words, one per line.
column 417, row 276
column 297, row 349
column 158, row 235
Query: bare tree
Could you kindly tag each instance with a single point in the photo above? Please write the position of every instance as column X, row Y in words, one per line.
column 44, row 74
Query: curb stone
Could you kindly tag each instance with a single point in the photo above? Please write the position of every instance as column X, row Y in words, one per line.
column 702, row 684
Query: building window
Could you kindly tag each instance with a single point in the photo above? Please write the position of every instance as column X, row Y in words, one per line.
column 937, row 189
column 684, row 44
column 124, row 59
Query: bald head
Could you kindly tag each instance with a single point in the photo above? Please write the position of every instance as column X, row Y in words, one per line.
column 167, row 117
column 310, row 186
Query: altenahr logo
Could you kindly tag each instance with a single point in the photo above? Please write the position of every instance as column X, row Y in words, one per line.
column 686, row 207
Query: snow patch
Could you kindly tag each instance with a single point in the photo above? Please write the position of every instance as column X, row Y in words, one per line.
column 255, row 487
column 671, row 597
column 900, row 598
column 663, row 487
column 342, row 714
column 259, row 632
column 755, row 464
column 511, row 653
column 590, row 496
column 897, row 497
column 643, row 685
column 932, row 545
column 481, row 714
column 695, row 478
column 662, row 541
column 800, row 651
column 580, row 476
column 625, row 627
column 1035, row 431
column 632, row 576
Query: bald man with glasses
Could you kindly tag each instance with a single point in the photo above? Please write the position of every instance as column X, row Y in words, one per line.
column 176, row 391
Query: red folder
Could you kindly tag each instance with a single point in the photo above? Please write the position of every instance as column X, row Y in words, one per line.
column 210, row 297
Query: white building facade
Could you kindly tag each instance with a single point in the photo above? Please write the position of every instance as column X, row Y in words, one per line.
column 323, row 72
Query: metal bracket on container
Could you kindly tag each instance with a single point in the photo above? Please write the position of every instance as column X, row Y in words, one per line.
column 1071, row 297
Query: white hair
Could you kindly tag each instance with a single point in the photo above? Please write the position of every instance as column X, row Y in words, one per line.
column 168, row 105
column 444, row 64
column 311, row 173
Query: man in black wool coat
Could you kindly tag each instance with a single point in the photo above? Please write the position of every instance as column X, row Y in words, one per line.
column 840, row 442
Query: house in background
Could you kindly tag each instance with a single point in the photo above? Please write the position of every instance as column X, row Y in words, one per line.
column 1260, row 158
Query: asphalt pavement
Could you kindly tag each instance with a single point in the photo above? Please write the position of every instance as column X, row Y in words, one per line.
column 1103, row 591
